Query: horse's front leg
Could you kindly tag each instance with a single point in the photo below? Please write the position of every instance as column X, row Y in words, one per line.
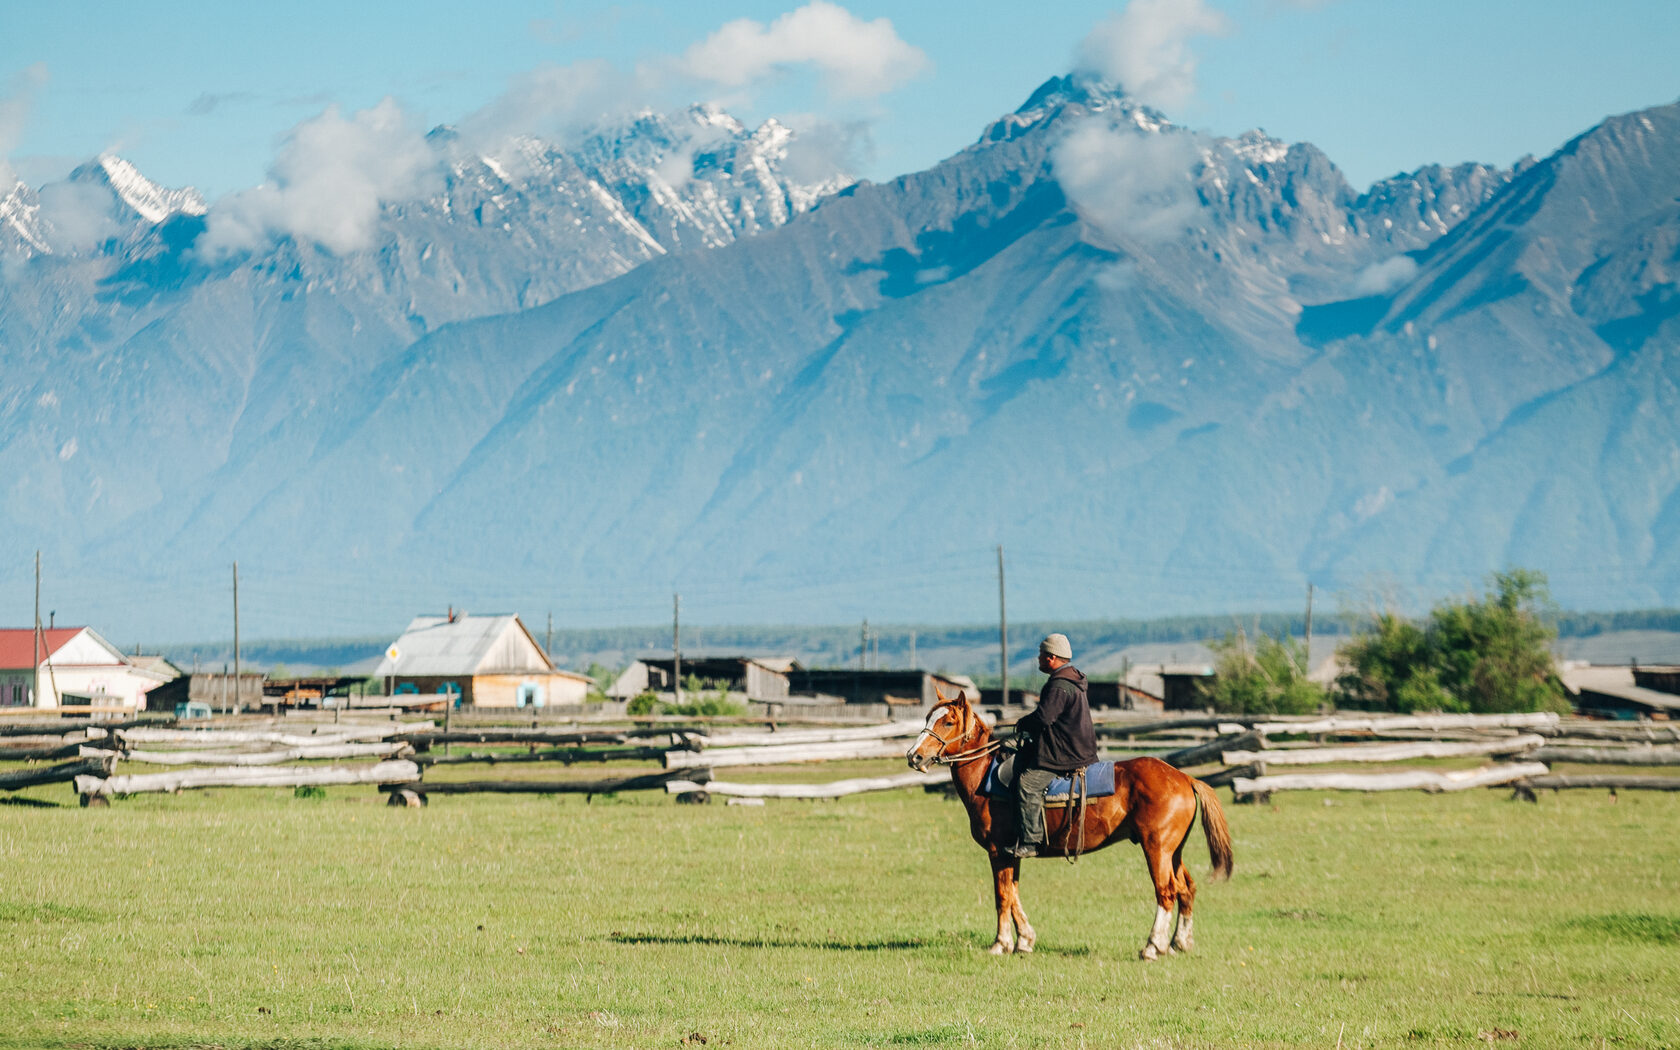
column 1004, row 896
column 1025, row 935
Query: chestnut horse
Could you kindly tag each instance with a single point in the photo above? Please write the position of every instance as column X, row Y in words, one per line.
column 1153, row 805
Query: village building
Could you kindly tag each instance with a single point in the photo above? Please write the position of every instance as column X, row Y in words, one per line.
column 70, row 667
column 1622, row 692
column 908, row 687
column 759, row 678
column 216, row 691
column 486, row 661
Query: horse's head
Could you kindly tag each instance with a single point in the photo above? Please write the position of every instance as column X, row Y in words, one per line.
column 952, row 727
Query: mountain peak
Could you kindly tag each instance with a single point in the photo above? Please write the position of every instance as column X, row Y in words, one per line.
column 1082, row 91
column 152, row 202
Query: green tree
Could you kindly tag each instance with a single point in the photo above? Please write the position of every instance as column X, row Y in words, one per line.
column 1270, row 678
column 1478, row 655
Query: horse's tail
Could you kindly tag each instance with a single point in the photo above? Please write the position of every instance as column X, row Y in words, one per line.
column 1214, row 827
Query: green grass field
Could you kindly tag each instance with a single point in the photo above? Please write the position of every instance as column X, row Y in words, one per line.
column 237, row 918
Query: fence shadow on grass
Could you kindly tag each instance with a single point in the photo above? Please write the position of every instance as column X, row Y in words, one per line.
column 34, row 803
column 895, row 944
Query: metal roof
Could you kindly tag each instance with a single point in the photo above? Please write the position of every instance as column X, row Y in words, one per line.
column 465, row 645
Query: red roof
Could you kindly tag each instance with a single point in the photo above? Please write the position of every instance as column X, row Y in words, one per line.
column 18, row 648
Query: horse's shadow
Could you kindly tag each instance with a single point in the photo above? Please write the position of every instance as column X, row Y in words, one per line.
column 830, row 944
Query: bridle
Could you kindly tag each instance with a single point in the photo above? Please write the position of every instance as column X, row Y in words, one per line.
column 945, row 757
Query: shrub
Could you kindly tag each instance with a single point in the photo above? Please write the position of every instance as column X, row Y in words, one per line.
column 1269, row 679
column 1480, row 655
column 644, row 703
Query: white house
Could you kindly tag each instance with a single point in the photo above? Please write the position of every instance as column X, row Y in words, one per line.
column 69, row 666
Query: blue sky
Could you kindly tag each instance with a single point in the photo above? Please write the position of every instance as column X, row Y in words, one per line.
column 201, row 92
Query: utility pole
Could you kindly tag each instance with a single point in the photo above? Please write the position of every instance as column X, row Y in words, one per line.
column 913, row 664
column 548, row 639
column 236, row 636
column 35, row 685
column 1003, row 633
column 1308, row 668
column 676, row 647
column 863, row 647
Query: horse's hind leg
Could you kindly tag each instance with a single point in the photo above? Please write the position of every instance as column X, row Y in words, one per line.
column 1160, row 861
column 1185, row 888
column 1004, row 896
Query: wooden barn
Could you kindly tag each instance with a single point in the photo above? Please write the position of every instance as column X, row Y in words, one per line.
column 877, row 686
column 70, row 667
column 758, row 678
column 488, row 661
column 1621, row 692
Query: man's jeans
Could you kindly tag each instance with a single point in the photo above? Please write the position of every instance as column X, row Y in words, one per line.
column 1029, row 798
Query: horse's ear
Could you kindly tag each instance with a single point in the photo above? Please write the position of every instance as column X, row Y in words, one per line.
column 938, row 693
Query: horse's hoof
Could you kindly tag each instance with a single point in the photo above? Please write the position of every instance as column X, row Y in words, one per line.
column 1024, row 948
column 998, row 948
column 1185, row 946
column 1149, row 954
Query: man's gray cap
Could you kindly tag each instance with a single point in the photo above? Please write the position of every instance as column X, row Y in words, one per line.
column 1057, row 645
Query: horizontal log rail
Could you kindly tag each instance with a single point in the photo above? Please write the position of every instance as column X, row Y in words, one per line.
column 832, row 789
column 1611, row 756
column 380, row 749
column 1386, row 752
column 39, row 754
column 59, row 774
column 775, row 756
column 1378, row 723
column 391, row 771
column 1558, row 781
column 597, row 786
column 1412, row 779
column 570, row 756
column 886, row 731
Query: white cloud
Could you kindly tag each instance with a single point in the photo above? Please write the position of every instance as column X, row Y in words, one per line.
column 557, row 103
column 1146, row 49
column 857, row 58
column 328, row 182
column 1130, row 184
column 1383, row 277
column 14, row 114
column 79, row 215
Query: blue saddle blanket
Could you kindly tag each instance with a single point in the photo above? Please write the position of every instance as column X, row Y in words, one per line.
column 1099, row 781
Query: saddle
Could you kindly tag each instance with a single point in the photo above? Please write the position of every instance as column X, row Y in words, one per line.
column 1000, row 781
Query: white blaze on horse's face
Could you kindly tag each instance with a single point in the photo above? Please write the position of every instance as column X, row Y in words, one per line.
column 914, row 756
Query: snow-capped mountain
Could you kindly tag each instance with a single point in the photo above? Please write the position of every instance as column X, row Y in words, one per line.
column 1204, row 370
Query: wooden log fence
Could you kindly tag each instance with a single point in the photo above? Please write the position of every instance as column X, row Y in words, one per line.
column 597, row 786
column 1377, row 724
column 569, row 756
column 1406, row 780
column 1385, row 752
column 781, row 755
column 788, row 737
column 1201, row 754
column 66, row 772
column 333, row 734
column 39, row 754
column 832, row 789
column 381, row 749
column 1646, row 732
column 387, row 772
column 1610, row 756
column 1559, row 781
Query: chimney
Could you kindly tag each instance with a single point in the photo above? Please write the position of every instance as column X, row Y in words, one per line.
column 452, row 614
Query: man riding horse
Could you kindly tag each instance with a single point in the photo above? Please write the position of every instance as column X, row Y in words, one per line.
column 1059, row 740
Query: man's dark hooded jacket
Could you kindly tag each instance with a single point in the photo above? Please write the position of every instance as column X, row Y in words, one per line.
column 1060, row 726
